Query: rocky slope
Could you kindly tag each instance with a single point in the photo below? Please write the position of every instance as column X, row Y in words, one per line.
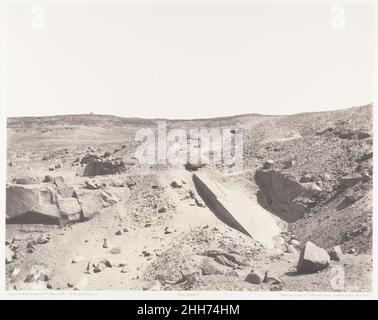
column 83, row 214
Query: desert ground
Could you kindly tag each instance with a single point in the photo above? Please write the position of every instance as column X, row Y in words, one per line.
column 83, row 213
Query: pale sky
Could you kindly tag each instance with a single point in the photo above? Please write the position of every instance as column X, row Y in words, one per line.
column 188, row 61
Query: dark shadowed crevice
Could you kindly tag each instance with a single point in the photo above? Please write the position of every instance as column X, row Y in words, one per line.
column 33, row 218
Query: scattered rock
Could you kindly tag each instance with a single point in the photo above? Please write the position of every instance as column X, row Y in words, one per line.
column 324, row 130
column 15, row 273
column 59, row 182
column 42, row 239
column 199, row 202
column 271, row 277
column 37, row 274
column 288, row 164
column 162, row 210
column 8, row 255
column 107, row 154
column 168, row 230
column 105, row 245
column 51, row 168
column 232, row 273
column 118, row 232
column 106, row 263
column 336, row 254
column 152, row 286
column 193, row 167
column 208, row 268
column 352, row 196
column 350, row 181
column 116, row 250
column 58, row 166
column 76, row 260
column 145, row 253
column 367, row 156
column 268, row 164
column 108, row 197
column 174, row 184
column 311, row 189
column 131, row 184
column 26, row 180
column 312, row 259
column 255, row 277
column 48, row 178
column 91, row 185
column 295, row 243
column 306, row 178
column 30, row 244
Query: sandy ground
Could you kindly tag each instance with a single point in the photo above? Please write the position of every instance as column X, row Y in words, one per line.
column 156, row 231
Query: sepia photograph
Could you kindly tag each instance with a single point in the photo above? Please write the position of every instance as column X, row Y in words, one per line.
column 156, row 148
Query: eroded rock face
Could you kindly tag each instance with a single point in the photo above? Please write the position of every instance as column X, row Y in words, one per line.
column 312, row 259
column 283, row 194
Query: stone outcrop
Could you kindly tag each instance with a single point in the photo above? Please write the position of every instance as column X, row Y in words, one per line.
column 69, row 208
column 284, row 195
column 100, row 168
column 89, row 158
column 31, row 201
column 51, row 204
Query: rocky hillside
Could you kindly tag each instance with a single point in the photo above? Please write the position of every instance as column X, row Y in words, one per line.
column 83, row 213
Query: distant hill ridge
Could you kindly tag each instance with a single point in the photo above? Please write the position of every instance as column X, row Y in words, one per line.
column 111, row 120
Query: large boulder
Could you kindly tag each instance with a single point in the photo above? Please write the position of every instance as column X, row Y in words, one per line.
column 282, row 193
column 312, row 259
column 25, row 201
column 26, row 180
column 349, row 181
column 99, row 168
column 69, row 208
column 255, row 277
